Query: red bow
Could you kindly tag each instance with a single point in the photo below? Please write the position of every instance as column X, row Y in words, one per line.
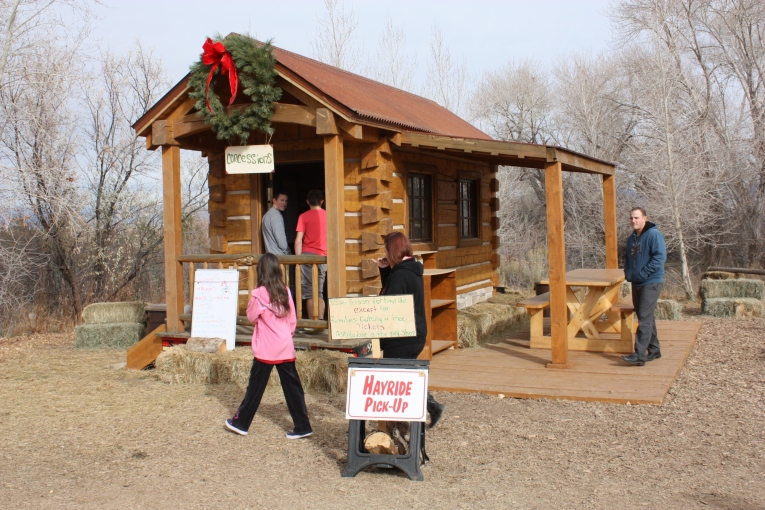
column 215, row 54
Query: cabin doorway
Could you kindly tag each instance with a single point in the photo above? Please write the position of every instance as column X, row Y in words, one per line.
column 296, row 180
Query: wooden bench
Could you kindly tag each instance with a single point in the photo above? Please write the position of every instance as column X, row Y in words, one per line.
column 535, row 307
column 626, row 311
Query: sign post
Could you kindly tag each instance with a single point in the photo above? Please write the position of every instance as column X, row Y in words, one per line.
column 382, row 389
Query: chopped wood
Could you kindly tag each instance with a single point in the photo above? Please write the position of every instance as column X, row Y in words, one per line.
column 380, row 443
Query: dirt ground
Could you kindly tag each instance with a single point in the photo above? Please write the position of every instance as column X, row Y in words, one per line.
column 79, row 431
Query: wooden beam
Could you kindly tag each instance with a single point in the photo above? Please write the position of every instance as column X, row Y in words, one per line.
column 171, row 195
column 325, row 122
column 609, row 217
column 334, row 180
column 162, row 133
column 256, row 208
column 556, row 257
column 283, row 113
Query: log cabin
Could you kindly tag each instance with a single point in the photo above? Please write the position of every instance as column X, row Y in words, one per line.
column 387, row 160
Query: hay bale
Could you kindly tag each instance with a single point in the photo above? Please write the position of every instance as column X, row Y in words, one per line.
column 120, row 335
column 478, row 322
column 733, row 307
column 734, row 288
column 109, row 313
column 718, row 275
column 323, row 370
column 320, row 370
column 668, row 310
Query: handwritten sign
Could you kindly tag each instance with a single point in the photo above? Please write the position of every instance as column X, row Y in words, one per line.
column 216, row 299
column 250, row 159
column 386, row 394
column 372, row 317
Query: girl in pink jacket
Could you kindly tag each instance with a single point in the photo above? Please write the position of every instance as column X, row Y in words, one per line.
column 271, row 311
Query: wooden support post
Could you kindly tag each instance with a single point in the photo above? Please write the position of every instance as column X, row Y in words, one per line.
column 256, row 213
column 556, row 257
column 609, row 219
column 171, row 194
column 334, row 180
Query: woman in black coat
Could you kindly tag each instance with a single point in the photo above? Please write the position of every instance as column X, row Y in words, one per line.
column 401, row 274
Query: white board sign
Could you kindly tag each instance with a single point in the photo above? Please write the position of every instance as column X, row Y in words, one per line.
column 250, row 159
column 216, row 301
column 372, row 317
column 389, row 394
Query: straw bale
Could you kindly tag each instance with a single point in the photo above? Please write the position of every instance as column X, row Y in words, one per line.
column 718, row 275
column 478, row 322
column 119, row 335
column 733, row 307
column 735, row 288
column 109, row 313
column 320, row 370
column 468, row 330
column 668, row 310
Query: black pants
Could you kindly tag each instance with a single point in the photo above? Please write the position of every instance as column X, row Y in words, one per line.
column 408, row 351
column 644, row 298
column 293, row 394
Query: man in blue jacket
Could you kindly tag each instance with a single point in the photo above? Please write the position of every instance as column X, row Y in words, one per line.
column 644, row 268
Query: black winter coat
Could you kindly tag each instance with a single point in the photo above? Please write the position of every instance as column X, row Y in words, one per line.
column 406, row 278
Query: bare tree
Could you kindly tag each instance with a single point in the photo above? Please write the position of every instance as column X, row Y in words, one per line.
column 447, row 80
column 334, row 42
column 515, row 103
column 393, row 65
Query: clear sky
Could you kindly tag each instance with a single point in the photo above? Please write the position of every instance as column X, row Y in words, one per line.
column 486, row 33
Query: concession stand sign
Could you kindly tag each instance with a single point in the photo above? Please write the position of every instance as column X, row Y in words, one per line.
column 250, row 159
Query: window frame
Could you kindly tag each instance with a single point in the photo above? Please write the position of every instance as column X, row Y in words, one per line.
column 432, row 172
column 475, row 178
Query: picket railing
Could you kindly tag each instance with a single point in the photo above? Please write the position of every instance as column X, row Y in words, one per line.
column 246, row 264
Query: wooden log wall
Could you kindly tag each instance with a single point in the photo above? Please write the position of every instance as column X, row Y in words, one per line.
column 376, row 204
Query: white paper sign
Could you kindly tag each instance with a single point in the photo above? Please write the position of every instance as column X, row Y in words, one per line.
column 216, row 302
column 390, row 394
column 250, row 159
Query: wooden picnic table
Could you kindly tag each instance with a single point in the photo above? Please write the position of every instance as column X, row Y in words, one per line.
column 591, row 313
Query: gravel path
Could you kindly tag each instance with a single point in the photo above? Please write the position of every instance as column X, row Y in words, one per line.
column 76, row 431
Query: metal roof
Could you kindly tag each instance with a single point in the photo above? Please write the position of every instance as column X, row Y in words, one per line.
column 377, row 102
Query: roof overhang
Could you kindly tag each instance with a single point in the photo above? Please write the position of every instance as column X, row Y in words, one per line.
column 505, row 153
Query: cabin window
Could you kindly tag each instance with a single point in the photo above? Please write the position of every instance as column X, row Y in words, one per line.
column 420, row 207
column 468, row 206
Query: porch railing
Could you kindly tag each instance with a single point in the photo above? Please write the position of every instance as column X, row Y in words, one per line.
column 250, row 262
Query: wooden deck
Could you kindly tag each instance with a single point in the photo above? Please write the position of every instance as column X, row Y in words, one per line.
column 513, row 369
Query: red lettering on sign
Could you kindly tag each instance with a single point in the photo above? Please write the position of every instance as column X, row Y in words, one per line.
column 368, row 403
column 368, row 382
column 409, row 388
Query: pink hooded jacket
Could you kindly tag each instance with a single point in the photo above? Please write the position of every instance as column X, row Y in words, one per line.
column 272, row 338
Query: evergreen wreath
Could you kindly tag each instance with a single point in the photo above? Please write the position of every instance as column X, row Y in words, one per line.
column 257, row 78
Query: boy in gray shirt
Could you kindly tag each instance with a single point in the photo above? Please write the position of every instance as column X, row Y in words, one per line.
column 274, row 235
